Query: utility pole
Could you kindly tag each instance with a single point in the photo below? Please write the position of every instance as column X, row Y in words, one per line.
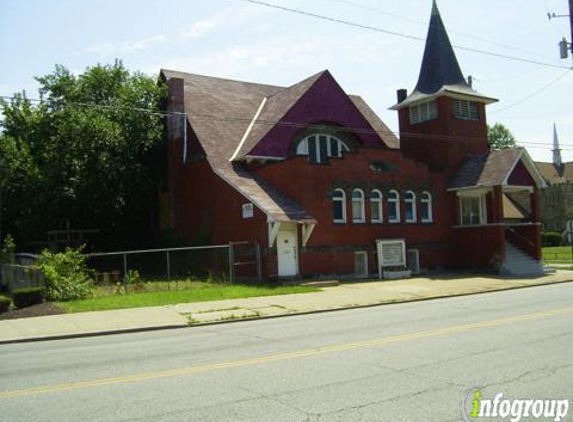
column 565, row 46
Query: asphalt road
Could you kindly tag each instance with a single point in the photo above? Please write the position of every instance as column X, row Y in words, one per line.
column 408, row 362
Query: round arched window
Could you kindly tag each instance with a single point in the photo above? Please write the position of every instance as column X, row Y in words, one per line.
column 320, row 147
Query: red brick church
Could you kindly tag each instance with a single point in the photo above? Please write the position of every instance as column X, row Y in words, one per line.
column 315, row 178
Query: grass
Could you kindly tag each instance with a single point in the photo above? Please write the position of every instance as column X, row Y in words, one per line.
column 557, row 254
column 199, row 292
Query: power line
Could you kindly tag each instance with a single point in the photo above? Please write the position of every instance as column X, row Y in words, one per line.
column 398, row 34
column 296, row 125
column 375, row 10
column 533, row 94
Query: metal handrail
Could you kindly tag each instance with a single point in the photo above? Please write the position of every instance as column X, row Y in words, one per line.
column 521, row 236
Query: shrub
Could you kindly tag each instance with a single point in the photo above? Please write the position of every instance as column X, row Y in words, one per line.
column 4, row 303
column 8, row 250
column 66, row 273
column 27, row 296
column 549, row 238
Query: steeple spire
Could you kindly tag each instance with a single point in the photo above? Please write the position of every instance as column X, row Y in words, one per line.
column 557, row 161
column 440, row 73
column 439, row 66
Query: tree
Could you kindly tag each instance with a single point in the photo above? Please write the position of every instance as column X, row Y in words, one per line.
column 88, row 151
column 499, row 137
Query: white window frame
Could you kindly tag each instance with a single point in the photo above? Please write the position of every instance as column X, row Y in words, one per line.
column 394, row 200
column 303, row 149
column 376, row 202
column 426, row 200
column 360, row 201
column 342, row 200
column 482, row 216
column 422, row 112
column 410, row 201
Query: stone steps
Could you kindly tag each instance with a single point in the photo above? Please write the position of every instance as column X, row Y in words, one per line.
column 518, row 263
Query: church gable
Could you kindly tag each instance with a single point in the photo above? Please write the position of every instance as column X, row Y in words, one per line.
column 324, row 103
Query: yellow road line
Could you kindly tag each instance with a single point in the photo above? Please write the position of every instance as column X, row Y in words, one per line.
column 282, row 356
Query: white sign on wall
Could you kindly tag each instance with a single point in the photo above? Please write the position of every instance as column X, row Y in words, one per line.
column 248, row 211
column 391, row 253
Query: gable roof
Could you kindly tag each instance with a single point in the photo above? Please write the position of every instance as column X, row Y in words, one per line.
column 273, row 110
column 225, row 113
column 440, row 72
column 221, row 110
column 493, row 169
column 552, row 174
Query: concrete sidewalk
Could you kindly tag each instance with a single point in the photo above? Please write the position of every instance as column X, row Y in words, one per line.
column 344, row 296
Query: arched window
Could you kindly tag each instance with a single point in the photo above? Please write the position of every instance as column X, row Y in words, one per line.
column 410, row 202
column 320, row 147
column 393, row 206
column 426, row 207
column 358, row 206
column 339, row 206
column 376, row 206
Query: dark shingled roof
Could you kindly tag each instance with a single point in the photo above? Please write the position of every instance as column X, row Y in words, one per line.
column 439, row 66
column 486, row 170
column 220, row 111
column 440, row 71
column 265, row 196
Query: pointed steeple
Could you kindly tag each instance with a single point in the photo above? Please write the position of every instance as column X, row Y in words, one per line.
column 440, row 72
column 439, row 66
column 557, row 161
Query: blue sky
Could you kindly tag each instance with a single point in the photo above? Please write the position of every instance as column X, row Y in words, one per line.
column 234, row 39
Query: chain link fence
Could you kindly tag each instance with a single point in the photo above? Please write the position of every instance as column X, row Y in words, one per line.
column 216, row 263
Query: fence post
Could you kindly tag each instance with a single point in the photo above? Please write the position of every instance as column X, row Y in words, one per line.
column 125, row 271
column 258, row 262
column 231, row 262
column 168, row 271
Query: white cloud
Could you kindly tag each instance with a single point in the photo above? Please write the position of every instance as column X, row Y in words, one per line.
column 102, row 50
column 107, row 49
column 198, row 29
column 143, row 44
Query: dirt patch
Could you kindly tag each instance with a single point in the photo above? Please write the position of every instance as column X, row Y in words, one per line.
column 41, row 309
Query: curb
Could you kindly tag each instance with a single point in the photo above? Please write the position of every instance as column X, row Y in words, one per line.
column 371, row 305
column 254, row 318
column 92, row 334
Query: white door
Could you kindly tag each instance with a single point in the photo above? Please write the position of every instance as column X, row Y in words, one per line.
column 287, row 250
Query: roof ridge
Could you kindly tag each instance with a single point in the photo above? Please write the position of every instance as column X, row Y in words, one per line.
column 222, row 78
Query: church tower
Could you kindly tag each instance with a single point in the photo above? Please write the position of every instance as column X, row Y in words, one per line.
column 557, row 161
column 443, row 120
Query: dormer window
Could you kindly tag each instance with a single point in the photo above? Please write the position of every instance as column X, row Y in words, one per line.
column 422, row 112
column 320, row 147
column 465, row 110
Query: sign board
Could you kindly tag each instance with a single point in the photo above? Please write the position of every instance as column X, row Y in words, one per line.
column 391, row 253
column 248, row 211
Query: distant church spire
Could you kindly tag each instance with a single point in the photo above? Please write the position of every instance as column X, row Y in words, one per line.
column 557, row 161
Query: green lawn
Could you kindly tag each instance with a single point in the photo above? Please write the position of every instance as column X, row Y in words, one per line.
column 200, row 292
column 557, row 254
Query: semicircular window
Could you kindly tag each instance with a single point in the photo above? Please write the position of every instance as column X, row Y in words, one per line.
column 320, row 147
